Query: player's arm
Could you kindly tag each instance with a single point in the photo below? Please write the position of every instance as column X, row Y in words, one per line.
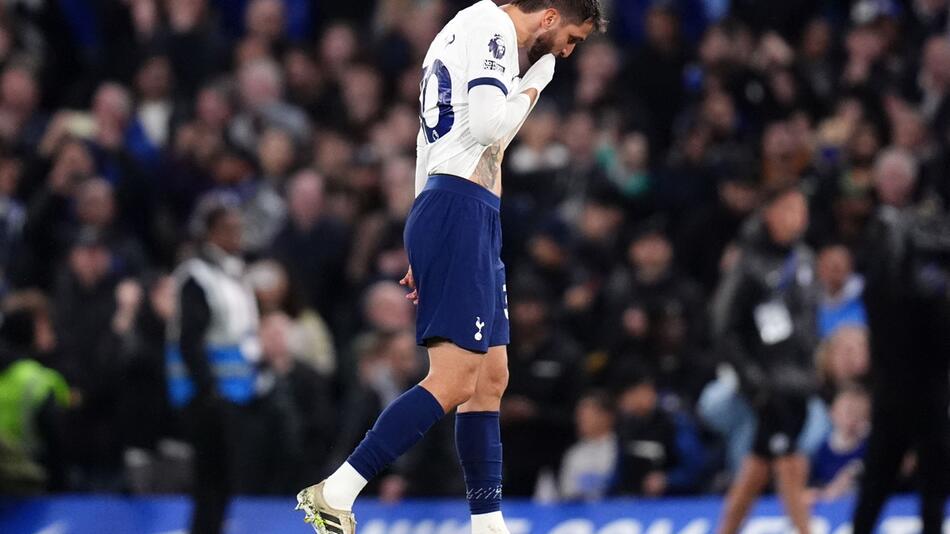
column 529, row 83
column 493, row 115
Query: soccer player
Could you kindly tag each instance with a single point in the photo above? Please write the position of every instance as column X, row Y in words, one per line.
column 472, row 104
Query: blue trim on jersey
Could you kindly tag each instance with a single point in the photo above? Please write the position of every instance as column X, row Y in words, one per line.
column 488, row 81
column 461, row 186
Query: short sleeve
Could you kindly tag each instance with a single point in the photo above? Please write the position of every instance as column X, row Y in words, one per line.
column 489, row 58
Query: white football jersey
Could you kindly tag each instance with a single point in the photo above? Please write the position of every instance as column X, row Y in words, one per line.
column 477, row 47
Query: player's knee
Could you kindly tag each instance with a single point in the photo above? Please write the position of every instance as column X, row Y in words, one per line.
column 466, row 391
column 493, row 384
column 452, row 388
column 459, row 390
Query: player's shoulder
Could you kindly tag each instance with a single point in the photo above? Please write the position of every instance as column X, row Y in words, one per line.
column 484, row 15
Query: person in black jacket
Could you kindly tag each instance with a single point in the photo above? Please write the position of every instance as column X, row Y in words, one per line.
column 908, row 307
column 764, row 326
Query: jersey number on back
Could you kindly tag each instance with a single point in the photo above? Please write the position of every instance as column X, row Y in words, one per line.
column 446, row 117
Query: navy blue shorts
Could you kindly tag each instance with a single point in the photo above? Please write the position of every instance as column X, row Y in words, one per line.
column 453, row 237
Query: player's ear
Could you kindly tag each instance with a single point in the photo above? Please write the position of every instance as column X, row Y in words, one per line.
column 550, row 19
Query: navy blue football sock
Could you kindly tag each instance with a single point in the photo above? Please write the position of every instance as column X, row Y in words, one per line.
column 401, row 425
column 478, row 441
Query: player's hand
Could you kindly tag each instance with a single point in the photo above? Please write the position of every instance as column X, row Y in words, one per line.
column 410, row 282
column 539, row 75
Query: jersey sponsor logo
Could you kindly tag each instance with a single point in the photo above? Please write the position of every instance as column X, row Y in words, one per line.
column 479, row 325
column 497, row 46
column 491, row 64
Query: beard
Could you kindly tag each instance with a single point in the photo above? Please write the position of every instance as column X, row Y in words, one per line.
column 542, row 45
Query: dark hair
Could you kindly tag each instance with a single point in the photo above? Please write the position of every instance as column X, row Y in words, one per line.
column 18, row 315
column 599, row 398
column 575, row 10
column 216, row 214
column 773, row 195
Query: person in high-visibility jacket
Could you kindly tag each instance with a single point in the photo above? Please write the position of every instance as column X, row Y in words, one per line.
column 31, row 398
column 212, row 361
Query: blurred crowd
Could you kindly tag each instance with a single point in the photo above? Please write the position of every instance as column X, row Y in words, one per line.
column 642, row 179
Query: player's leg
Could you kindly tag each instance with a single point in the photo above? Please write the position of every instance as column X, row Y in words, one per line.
column 791, row 473
column 751, row 480
column 478, row 442
column 453, row 373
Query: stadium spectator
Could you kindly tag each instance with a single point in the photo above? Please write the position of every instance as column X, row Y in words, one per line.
column 659, row 454
column 843, row 358
column 656, row 100
column 837, row 465
column 672, row 314
column 313, row 245
column 12, row 220
column 84, row 305
column 841, row 290
column 303, row 398
column 589, row 466
column 260, row 85
column 23, row 120
column 545, row 380
column 378, row 251
column 310, row 340
column 539, row 150
column 705, row 235
column 276, row 157
column 629, row 169
column 154, row 457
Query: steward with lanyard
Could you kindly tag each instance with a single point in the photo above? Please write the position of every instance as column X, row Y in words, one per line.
column 764, row 326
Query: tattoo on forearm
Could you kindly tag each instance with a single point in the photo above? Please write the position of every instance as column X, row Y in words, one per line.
column 488, row 170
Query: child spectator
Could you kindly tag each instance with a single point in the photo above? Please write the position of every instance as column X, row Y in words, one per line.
column 842, row 359
column 837, row 464
column 589, row 465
